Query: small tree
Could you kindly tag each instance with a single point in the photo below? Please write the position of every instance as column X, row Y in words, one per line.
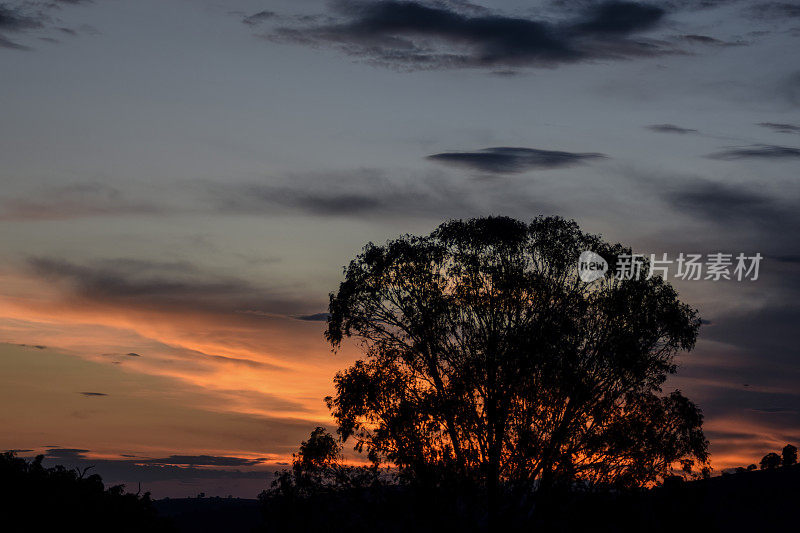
column 770, row 461
column 38, row 498
column 789, row 455
column 319, row 489
column 488, row 356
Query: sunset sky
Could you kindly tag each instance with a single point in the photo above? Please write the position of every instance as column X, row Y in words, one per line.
column 183, row 181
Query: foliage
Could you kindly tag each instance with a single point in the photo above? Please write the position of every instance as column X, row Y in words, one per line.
column 789, row 455
column 487, row 356
column 770, row 461
column 36, row 498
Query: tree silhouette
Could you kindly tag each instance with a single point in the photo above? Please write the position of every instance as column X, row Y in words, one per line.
column 36, row 498
column 488, row 356
column 789, row 455
column 770, row 461
column 318, row 485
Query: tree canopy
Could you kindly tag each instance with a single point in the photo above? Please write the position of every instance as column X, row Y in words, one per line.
column 36, row 498
column 485, row 354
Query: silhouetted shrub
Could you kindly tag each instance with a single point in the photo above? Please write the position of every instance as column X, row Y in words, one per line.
column 34, row 498
column 771, row 460
column 789, row 455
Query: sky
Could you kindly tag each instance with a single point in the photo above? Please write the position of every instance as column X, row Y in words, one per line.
column 183, row 182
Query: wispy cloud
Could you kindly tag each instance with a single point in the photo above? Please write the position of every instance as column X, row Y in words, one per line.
column 758, row 151
column 159, row 284
column 733, row 204
column 670, row 128
column 369, row 193
column 77, row 200
column 257, row 18
column 780, row 127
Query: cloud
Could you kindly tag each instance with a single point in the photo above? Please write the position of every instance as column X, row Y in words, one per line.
column 758, row 151
column 76, row 200
column 257, row 18
column 731, row 204
column 370, row 193
column 154, row 284
column 621, row 18
column 16, row 19
column 417, row 35
column 670, row 128
column 316, row 317
column 66, row 453
column 703, row 39
column 29, row 16
column 780, row 128
column 779, row 10
column 94, row 393
column 201, row 460
column 509, row 160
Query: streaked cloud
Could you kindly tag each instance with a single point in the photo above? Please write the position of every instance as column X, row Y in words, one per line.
column 758, row 151
column 670, row 128
column 780, row 127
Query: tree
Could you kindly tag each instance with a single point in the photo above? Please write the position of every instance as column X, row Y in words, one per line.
column 789, row 455
column 319, row 489
column 37, row 498
column 488, row 356
column 770, row 461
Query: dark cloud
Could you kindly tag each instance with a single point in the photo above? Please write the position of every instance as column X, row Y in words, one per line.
column 175, row 285
column 779, row 10
column 412, row 34
column 94, row 393
column 733, row 205
column 621, row 18
column 257, row 18
column 758, row 151
column 316, row 317
column 780, row 128
column 702, row 39
column 14, row 19
column 17, row 19
column 66, row 453
column 369, row 193
column 508, row 160
column 670, row 128
column 201, row 460
column 21, row 17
